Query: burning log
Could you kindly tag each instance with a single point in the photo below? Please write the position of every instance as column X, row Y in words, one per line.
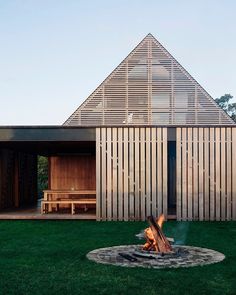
column 155, row 238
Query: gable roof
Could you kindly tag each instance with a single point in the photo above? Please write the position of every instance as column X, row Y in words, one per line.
column 149, row 87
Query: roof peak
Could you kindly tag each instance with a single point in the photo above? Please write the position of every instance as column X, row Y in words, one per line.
column 149, row 35
column 149, row 87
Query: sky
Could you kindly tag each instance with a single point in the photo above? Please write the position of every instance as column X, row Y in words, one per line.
column 54, row 53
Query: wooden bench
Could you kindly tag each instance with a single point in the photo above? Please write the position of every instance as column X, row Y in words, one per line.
column 47, row 194
column 47, row 202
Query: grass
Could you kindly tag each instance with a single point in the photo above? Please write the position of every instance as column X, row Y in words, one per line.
column 49, row 257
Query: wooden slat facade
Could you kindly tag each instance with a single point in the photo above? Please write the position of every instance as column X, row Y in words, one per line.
column 132, row 109
column 131, row 173
column 149, row 88
column 206, row 173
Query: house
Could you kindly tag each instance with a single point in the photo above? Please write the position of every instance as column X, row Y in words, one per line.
column 148, row 140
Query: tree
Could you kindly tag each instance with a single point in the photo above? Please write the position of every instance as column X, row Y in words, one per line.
column 229, row 108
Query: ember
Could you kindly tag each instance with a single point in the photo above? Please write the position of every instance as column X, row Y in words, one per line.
column 155, row 238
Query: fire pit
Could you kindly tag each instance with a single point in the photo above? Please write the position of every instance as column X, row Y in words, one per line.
column 157, row 252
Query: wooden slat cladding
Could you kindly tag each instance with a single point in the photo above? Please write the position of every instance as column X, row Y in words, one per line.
column 132, row 173
column 149, row 88
column 206, row 173
column 72, row 172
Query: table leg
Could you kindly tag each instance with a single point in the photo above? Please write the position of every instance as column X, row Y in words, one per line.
column 50, row 205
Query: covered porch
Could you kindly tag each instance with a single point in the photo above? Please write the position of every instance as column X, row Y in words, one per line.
column 71, row 168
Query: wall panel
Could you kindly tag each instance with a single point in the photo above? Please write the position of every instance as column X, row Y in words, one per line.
column 209, row 157
column 136, row 181
column 73, row 172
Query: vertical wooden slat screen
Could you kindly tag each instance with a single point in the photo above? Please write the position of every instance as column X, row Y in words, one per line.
column 137, row 176
column 153, row 169
column 190, row 174
column 206, row 168
column 212, row 173
column 184, row 182
column 200, row 175
column 126, row 176
column 109, row 171
column 178, row 174
column 206, row 173
column 142, row 174
column 114, row 176
column 164, row 171
column 228, row 175
column 131, row 173
column 98, row 176
column 148, row 173
column 120, row 172
column 104, row 179
column 233, row 174
column 195, row 173
column 223, row 174
column 159, row 173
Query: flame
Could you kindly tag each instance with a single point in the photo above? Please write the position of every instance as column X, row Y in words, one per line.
column 151, row 242
column 160, row 220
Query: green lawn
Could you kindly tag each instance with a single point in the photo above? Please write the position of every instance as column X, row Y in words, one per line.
column 49, row 257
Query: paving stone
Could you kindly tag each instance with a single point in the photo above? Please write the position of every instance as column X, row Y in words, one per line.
column 183, row 256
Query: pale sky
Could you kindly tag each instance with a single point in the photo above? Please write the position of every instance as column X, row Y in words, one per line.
column 54, row 53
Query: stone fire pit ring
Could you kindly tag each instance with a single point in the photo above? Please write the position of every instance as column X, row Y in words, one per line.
column 182, row 256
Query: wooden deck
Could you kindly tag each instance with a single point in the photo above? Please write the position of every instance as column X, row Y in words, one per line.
column 33, row 213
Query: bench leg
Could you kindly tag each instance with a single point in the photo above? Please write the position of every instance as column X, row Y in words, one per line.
column 72, row 209
column 42, row 207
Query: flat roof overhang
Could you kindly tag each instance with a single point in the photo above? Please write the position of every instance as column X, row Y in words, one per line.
column 47, row 133
column 48, row 140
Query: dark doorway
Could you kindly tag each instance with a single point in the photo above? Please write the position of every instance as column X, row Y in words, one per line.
column 171, row 177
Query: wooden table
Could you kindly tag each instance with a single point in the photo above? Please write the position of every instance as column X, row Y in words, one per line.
column 46, row 205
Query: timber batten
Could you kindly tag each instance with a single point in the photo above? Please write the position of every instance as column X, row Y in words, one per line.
column 208, row 156
column 149, row 88
column 125, row 189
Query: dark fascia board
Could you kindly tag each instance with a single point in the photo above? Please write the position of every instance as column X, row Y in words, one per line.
column 47, row 133
column 71, row 133
column 158, row 126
